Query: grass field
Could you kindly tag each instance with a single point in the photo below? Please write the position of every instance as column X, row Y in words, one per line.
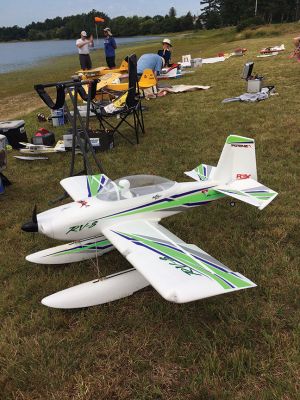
column 243, row 345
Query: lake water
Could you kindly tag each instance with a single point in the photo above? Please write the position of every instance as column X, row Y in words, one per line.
column 19, row 55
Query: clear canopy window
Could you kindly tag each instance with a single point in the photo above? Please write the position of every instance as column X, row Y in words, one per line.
column 133, row 186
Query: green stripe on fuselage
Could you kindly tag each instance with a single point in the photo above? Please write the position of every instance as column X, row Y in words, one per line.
column 191, row 198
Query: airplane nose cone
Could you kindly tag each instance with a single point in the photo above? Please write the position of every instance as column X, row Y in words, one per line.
column 30, row 227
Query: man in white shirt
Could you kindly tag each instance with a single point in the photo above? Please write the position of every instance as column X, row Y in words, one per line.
column 84, row 51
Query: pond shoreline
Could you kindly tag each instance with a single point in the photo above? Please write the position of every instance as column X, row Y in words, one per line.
column 19, row 55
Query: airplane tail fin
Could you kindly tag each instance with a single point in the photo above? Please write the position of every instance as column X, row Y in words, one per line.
column 237, row 160
column 124, row 66
column 236, row 173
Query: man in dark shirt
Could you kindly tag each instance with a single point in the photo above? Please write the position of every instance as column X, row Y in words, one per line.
column 166, row 52
column 109, row 48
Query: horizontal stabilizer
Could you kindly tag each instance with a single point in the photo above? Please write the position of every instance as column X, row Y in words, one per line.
column 73, row 252
column 202, row 173
column 84, row 186
column 98, row 291
column 249, row 191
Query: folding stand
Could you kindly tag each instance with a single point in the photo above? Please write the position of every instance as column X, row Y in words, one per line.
column 80, row 131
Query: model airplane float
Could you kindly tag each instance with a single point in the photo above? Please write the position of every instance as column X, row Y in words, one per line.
column 125, row 214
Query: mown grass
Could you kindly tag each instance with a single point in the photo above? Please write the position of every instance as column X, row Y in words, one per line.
column 244, row 345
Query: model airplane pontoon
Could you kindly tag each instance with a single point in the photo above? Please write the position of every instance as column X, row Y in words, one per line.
column 125, row 214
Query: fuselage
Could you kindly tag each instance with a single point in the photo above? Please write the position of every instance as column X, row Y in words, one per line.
column 86, row 218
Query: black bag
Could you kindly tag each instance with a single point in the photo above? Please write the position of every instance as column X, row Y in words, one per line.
column 15, row 132
column 43, row 137
column 101, row 140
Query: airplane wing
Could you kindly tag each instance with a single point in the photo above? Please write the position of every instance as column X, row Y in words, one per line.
column 35, row 146
column 84, row 186
column 180, row 272
column 202, row 173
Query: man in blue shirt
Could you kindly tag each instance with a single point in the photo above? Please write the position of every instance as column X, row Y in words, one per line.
column 109, row 48
column 150, row 61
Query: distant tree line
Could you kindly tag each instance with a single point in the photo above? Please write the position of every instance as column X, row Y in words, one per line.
column 243, row 13
column 70, row 27
column 214, row 14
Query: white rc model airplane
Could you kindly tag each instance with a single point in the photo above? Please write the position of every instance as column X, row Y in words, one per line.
column 30, row 148
column 125, row 214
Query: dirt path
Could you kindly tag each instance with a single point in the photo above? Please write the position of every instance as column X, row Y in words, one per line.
column 19, row 105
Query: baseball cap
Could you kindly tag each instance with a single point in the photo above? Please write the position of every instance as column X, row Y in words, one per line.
column 168, row 41
column 108, row 31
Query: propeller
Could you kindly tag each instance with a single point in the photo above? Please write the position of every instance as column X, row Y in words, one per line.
column 31, row 226
column 34, row 214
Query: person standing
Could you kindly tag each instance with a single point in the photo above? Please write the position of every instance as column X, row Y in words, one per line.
column 84, row 52
column 109, row 48
column 166, row 52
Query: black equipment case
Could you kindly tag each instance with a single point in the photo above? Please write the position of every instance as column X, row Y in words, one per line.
column 14, row 132
column 101, row 140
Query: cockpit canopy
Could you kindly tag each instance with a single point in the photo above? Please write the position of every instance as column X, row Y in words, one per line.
column 133, row 186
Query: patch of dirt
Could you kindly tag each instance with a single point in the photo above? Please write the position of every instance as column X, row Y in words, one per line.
column 19, row 105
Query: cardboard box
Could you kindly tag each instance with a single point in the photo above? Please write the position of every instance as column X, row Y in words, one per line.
column 68, row 140
column 196, row 62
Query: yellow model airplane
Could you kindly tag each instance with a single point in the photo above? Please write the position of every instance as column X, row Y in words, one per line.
column 99, row 71
column 147, row 80
column 104, row 82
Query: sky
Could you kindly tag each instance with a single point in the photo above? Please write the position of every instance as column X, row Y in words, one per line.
column 23, row 12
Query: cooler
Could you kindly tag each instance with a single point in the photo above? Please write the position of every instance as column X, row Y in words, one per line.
column 58, row 117
column 14, row 132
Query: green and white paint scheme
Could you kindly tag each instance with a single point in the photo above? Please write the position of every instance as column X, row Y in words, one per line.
column 125, row 214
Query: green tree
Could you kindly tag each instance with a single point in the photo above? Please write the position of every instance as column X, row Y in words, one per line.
column 186, row 22
column 172, row 12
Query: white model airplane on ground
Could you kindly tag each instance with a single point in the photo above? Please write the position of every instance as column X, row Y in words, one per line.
column 30, row 148
column 125, row 214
